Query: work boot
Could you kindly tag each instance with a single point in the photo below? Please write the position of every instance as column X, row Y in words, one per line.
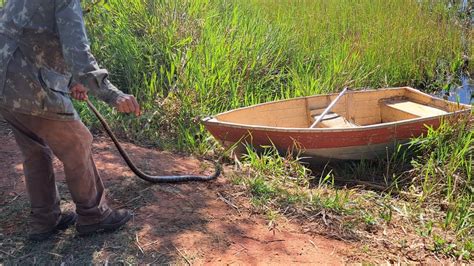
column 114, row 221
column 66, row 220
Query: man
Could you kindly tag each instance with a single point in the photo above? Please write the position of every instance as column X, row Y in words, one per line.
column 44, row 59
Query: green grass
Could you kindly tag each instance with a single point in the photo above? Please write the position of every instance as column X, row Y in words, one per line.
column 429, row 196
column 275, row 182
column 188, row 59
column 444, row 181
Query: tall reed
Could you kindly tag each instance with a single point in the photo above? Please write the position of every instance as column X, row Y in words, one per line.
column 186, row 59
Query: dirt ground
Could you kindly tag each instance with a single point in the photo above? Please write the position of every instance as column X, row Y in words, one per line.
column 188, row 223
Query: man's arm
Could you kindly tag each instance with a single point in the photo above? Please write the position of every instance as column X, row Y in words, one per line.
column 82, row 64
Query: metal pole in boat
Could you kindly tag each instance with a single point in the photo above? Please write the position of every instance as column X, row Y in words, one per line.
column 326, row 111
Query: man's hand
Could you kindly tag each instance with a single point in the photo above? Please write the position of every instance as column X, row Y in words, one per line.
column 128, row 104
column 79, row 92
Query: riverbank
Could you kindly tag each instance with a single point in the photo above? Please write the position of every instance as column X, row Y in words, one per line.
column 230, row 220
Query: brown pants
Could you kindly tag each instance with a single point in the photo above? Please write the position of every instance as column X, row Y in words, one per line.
column 71, row 142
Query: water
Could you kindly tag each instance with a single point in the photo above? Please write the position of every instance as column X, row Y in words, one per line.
column 465, row 6
column 464, row 93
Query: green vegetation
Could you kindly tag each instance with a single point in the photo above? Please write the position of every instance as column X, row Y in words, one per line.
column 188, row 59
column 432, row 201
column 443, row 180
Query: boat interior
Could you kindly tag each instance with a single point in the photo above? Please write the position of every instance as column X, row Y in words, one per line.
column 354, row 109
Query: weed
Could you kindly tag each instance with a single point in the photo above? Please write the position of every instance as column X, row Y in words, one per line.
column 421, row 204
column 187, row 59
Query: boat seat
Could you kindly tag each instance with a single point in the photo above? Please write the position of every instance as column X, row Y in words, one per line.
column 400, row 109
column 331, row 120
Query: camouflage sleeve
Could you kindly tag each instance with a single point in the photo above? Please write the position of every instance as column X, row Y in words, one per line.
column 77, row 53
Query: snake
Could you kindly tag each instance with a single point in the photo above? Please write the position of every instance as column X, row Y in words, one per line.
column 138, row 172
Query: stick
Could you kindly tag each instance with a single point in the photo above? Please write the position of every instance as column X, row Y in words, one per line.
column 228, row 202
column 320, row 118
column 182, row 255
column 151, row 243
column 367, row 184
column 138, row 244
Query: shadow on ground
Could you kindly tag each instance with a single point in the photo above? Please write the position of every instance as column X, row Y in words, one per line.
column 165, row 218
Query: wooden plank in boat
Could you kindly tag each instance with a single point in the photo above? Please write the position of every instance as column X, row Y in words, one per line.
column 315, row 114
column 422, row 98
column 392, row 115
column 413, row 108
column 292, row 122
column 267, row 109
column 281, row 115
column 334, row 120
column 368, row 120
column 338, row 122
column 324, row 101
column 360, row 116
column 361, row 97
column 365, row 110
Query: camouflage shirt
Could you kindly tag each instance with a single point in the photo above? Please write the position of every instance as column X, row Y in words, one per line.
column 44, row 50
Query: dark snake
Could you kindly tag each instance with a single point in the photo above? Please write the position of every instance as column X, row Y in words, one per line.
column 142, row 175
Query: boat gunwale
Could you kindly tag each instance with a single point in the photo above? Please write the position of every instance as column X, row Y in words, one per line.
column 212, row 120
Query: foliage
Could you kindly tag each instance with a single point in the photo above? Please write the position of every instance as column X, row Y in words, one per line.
column 280, row 181
column 188, row 59
column 432, row 199
column 443, row 179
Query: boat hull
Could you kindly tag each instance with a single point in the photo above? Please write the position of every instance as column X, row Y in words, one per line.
column 324, row 145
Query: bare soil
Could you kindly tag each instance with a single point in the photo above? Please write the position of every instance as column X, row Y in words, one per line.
column 188, row 223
